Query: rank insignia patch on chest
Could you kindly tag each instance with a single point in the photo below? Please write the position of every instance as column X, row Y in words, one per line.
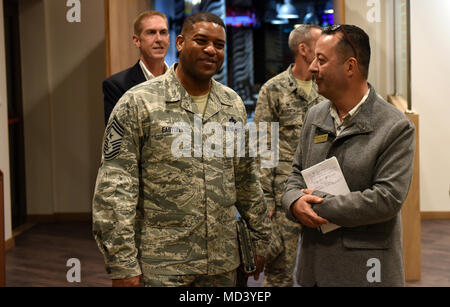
column 113, row 140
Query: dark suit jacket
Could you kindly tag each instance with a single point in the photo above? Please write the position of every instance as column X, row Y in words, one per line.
column 116, row 85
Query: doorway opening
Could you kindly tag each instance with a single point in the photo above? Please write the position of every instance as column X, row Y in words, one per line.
column 15, row 113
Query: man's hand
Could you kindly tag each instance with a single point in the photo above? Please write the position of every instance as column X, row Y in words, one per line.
column 127, row 282
column 302, row 210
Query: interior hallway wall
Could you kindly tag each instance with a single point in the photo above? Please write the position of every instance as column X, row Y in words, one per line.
column 430, row 64
column 63, row 66
column 36, row 107
column 376, row 18
column 430, row 45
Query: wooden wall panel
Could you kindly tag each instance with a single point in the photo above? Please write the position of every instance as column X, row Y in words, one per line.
column 411, row 219
column 435, row 215
column 339, row 11
column 119, row 18
column 411, row 216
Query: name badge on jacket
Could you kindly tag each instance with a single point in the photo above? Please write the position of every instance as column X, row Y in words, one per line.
column 320, row 139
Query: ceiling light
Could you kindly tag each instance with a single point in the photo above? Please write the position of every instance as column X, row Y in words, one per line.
column 287, row 10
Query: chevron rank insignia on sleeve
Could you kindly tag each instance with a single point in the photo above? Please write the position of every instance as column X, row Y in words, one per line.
column 113, row 140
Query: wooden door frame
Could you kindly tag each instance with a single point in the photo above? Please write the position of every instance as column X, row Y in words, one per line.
column 2, row 234
column 119, row 18
column 339, row 11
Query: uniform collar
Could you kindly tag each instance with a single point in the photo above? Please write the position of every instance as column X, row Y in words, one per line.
column 294, row 87
column 175, row 92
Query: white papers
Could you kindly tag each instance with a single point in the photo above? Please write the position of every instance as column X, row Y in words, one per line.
column 326, row 177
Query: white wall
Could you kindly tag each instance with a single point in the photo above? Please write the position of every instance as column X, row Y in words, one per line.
column 430, row 91
column 381, row 34
column 4, row 139
column 430, row 49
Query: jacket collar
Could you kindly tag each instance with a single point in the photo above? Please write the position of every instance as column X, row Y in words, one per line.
column 361, row 123
column 175, row 92
column 137, row 75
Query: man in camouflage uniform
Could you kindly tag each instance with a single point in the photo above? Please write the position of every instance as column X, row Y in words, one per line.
column 285, row 99
column 165, row 216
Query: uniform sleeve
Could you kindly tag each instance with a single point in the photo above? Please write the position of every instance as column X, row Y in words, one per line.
column 265, row 113
column 117, row 190
column 391, row 181
column 250, row 198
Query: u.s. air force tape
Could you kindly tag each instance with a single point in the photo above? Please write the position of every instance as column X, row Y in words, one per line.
column 113, row 140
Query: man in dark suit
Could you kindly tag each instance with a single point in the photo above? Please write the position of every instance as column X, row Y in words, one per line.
column 151, row 36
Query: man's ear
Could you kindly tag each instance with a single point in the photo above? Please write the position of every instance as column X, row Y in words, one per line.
column 136, row 41
column 179, row 42
column 302, row 49
column 352, row 66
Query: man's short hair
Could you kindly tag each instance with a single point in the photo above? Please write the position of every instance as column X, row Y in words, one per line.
column 360, row 41
column 301, row 34
column 144, row 15
column 200, row 17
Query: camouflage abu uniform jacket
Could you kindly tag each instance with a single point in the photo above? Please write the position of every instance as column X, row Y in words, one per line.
column 156, row 213
column 282, row 100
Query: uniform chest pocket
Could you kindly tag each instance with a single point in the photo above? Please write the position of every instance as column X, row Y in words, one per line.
column 291, row 119
column 290, row 128
column 170, row 141
column 167, row 156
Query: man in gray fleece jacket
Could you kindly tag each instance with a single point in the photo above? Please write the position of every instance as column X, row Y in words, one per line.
column 374, row 145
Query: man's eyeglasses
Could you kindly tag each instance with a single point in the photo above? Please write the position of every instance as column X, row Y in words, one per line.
column 337, row 28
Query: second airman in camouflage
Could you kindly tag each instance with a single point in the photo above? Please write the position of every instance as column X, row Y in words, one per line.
column 163, row 216
column 285, row 99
